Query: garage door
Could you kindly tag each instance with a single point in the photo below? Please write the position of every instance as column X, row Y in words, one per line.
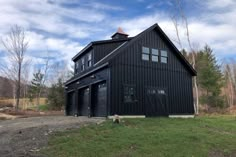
column 156, row 102
column 70, row 103
column 100, row 100
column 84, row 101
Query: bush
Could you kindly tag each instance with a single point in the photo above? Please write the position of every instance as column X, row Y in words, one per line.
column 56, row 97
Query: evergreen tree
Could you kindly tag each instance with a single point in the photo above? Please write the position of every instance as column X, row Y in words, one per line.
column 36, row 87
column 56, row 96
column 209, row 78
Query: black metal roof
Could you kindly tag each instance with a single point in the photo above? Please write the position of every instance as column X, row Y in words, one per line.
column 99, row 42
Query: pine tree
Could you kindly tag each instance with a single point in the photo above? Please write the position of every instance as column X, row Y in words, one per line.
column 36, row 87
column 56, row 96
column 209, row 78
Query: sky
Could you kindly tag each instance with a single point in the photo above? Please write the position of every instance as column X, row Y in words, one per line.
column 59, row 29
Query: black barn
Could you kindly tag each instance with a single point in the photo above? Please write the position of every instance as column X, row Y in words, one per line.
column 141, row 75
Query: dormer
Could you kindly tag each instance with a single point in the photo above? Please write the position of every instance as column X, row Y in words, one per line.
column 120, row 34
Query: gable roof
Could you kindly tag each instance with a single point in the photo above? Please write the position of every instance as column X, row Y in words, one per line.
column 127, row 42
column 157, row 27
column 89, row 46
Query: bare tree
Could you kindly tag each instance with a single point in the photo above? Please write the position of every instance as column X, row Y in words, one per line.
column 15, row 45
column 181, row 14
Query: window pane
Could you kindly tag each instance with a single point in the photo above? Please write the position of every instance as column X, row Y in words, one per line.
column 129, row 94
column 154, row 51
column 89, row 63
column 154, row 58
column 89, row 56
column 163, row 59
column 164, row 53
column 146, row 50
column 145, row 57
column 82, row 60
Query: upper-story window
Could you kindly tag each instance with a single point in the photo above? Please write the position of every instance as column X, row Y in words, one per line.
column 155, row 55
column 163, row 56
column 77, row 67
column 89, row 61
column 145, row 53
column 82, row 64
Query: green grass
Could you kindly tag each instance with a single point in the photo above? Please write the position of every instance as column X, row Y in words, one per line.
column 161, row 137
column 42, row 107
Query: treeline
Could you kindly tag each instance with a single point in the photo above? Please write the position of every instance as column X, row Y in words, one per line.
column 18, row 81
column 216, row 80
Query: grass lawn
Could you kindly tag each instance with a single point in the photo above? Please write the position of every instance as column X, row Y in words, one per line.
column 202, row 136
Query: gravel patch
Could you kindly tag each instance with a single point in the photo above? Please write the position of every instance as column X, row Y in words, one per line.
column 26, row 136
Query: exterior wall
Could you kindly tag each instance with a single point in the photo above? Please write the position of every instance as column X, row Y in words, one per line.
column 129, row 68
column 101, row 50
column 88, row 81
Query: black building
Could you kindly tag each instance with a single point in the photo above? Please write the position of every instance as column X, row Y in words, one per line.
column 141, row 75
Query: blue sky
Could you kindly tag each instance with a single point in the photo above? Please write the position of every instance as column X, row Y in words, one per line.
column 64, row 27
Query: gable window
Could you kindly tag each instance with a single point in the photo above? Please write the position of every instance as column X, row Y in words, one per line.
column 89, row 62
column 154, row 55
column 82, row 64
column 145, row 53
column 163, row 56
column 129, row 94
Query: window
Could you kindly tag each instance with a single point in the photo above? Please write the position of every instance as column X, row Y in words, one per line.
column 163, row 56
column 77, row 67
column 145, row 53
column 89, row 59
column 161, row 91
column 82, row 64
column 129, row 94
column 155, row 91
column 154, row 55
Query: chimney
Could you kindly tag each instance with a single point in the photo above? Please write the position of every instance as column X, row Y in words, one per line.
column 120, row 34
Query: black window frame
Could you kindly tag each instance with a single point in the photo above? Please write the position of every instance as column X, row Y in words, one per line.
column 82, row 66
column 154, row 55
column 145, row 53
column 89, row 60
column 129, row 96
column 165, row 57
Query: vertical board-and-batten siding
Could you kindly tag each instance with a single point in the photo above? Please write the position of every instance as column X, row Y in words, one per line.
column 101, row 50
column 129, row 68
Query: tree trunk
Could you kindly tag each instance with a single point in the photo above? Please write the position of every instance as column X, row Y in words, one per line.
column 18, row 88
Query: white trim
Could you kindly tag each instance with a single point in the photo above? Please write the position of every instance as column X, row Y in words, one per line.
column 109, row 54
column 181, row 116
column 128, row 116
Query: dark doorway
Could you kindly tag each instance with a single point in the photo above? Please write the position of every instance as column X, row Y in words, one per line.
column 156, row 102
column 84, row 101
column 99, row 102
column 70, row 103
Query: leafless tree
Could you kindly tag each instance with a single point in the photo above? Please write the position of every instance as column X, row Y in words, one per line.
column 15, row 45
column 180, row 13
column 25, row 81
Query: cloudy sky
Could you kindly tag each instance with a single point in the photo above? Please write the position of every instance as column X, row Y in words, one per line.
column 63, row 27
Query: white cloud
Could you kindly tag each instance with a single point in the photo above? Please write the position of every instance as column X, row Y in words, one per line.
column 215, row 29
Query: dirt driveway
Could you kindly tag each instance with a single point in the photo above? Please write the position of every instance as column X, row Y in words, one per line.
column 26, row 136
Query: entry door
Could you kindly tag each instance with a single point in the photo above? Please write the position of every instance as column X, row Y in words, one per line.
column 100, row 100
column 156, row 102
column 84, row 101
